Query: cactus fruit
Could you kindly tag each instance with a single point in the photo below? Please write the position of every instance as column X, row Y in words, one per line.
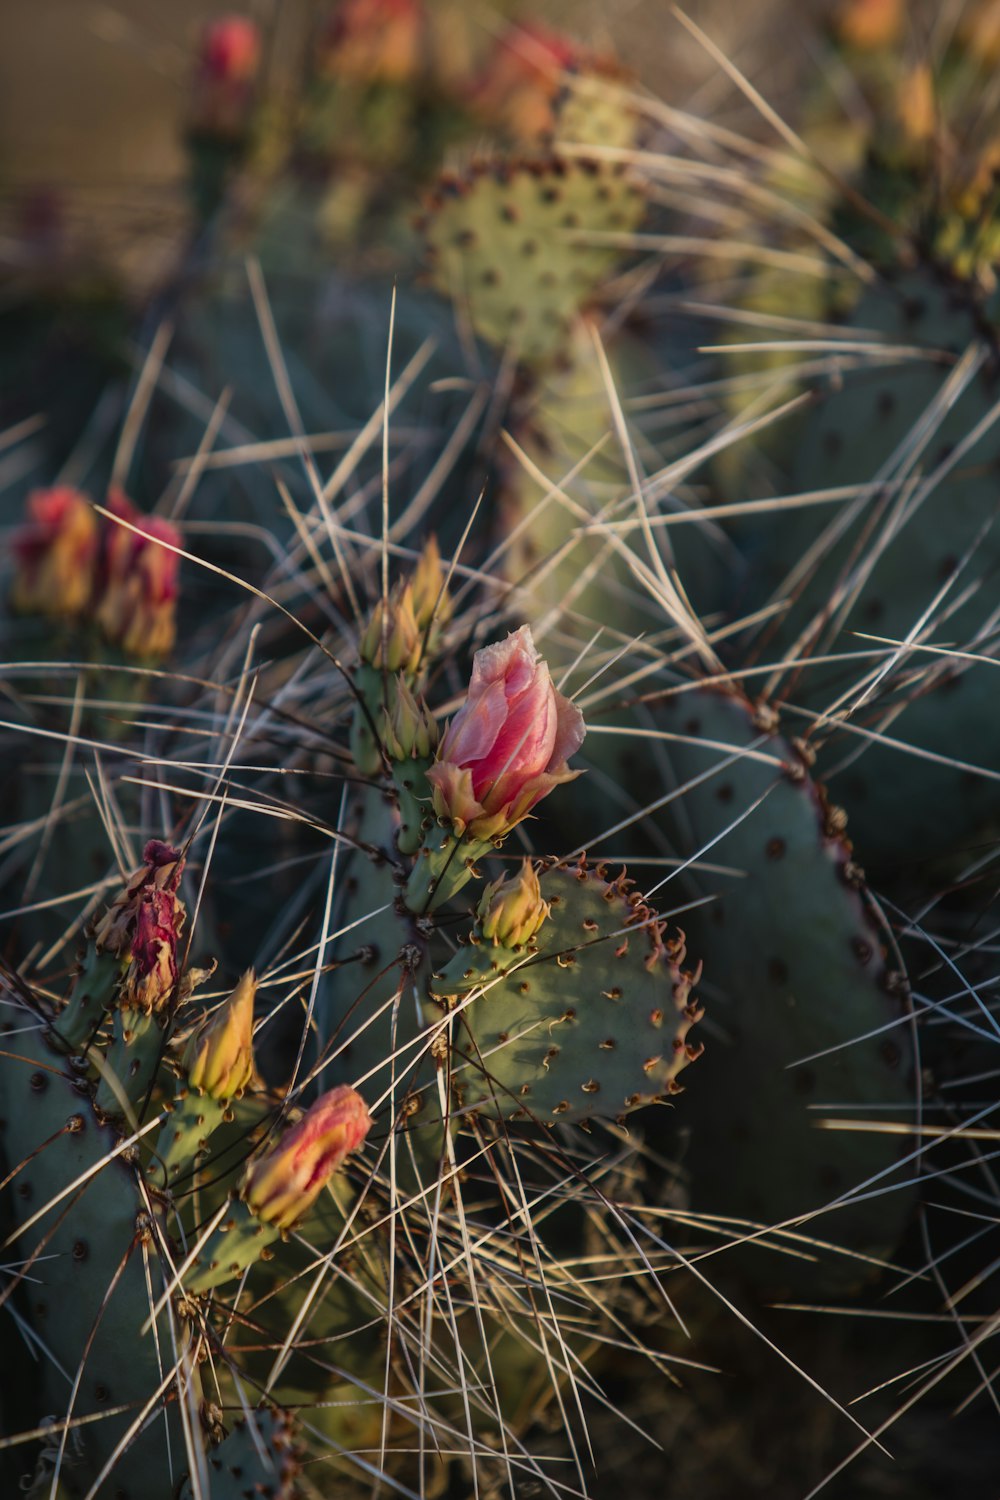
column 521, row 1051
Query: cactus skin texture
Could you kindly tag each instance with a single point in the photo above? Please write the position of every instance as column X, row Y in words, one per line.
column 87, row 1293
column 902, row 548
column 800, row 966
column 519, row 246
column 257, row 1459
column 590, row 1017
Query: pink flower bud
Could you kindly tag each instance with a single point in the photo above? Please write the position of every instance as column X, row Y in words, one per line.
column 508, row 745
column 281, row 1185
column 143, row 925
column 230, row 48
column 137, row 581
column 224, row 82
column 55, row 550
column 218, row 1058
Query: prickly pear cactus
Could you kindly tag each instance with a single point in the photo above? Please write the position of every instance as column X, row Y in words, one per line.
column 589, row 1016
column 256, row 1458
column 904, row 564
column 522, row 246
column 806, row 995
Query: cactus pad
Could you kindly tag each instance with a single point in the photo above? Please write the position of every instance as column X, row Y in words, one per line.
column 591, row 1018
column 521, row 248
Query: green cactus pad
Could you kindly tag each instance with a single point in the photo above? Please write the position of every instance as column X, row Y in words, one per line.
column 256, row 1459
column 941, row 707
column 805, row 990
column 520, row 246
column 86, row 1294
column 592, row 1019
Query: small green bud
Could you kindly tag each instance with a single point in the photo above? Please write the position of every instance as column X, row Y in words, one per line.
column 409, row 730
column 392, row 639
column 431, row 601
column 511, row 911
column 218, row 1058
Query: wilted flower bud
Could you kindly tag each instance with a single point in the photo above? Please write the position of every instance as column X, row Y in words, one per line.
column 508, row 745
column 373, row 41
column 55, row 551
column 137, row 582
column 218, row 1058
column 281, row 1184
column 410, row 731
column 143, row 925
column 430, row 598
column 511, row 911
column 392, row 639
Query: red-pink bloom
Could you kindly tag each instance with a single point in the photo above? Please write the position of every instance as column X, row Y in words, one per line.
column 230, row 48
column 225, row 79
column 282, row 1184
column 137, row 581
column 55, row 551
column 508, row 745
column 143, row 926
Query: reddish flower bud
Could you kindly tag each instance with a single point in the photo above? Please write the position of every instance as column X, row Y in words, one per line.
column 137, row 581
column 281, row 1184
column 508, row 745
column 518, row 87
column 227, row 70
column 143, row 925
column 218, row 1058
column 373, row 41
column 55, row 551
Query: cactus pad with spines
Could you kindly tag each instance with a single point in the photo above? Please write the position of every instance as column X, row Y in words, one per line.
column 590, row 1018
column 904, row 545
column 522, row 247
column 257, row 1459
column 805, row 987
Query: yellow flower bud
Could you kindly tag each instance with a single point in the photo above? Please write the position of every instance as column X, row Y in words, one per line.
column 218, row 1058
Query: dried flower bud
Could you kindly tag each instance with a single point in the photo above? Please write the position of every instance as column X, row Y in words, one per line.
column 137, row 581
column 281, row 1184
column 55, row 551
column 508, row 745
column 392, row 639
column 143, row 925
column 218, row 1058
column 410, row 731
column 511, row 911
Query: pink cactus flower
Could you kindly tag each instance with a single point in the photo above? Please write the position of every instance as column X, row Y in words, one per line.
column 281, row 1185
column 508, row 745
column 137, row 582
column 55, row 552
